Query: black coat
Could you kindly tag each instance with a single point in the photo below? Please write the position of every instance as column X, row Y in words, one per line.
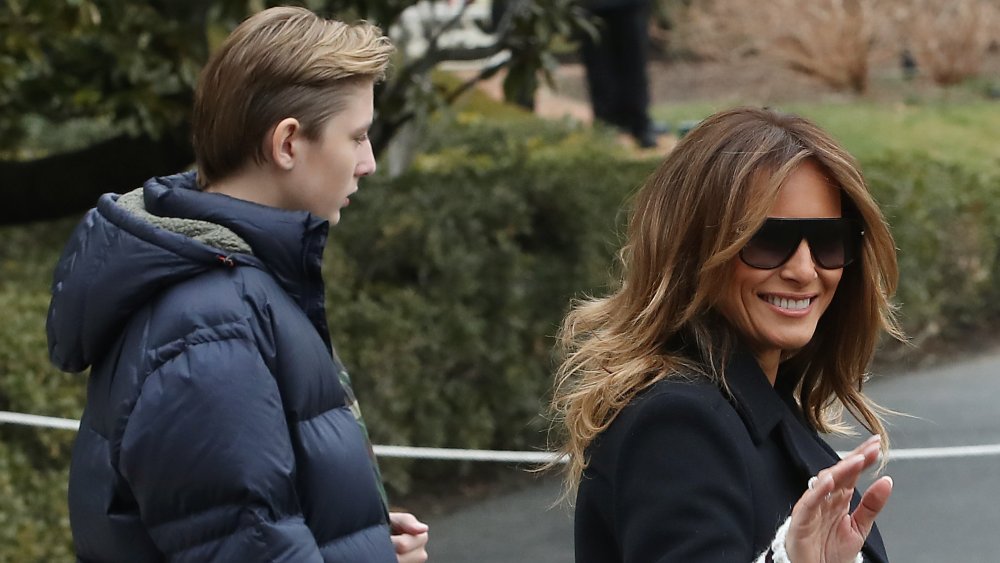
column 217, row 426
column 686, row 474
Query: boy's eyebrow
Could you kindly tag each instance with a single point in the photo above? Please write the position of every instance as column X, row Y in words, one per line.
column 363, row 129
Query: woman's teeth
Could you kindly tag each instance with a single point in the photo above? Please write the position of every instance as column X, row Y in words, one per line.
column 790, row 304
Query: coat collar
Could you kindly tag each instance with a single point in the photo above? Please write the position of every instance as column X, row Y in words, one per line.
column 766, row 410
column 756, row 401
column 288, row 244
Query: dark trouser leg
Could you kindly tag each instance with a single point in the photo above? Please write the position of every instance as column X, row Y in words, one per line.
column 599, row 63
column 628, row 45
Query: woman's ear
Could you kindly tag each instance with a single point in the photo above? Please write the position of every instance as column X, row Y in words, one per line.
column 282, row 147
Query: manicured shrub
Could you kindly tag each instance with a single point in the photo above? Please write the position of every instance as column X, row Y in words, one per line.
column 446, row 284
column 34, row 519
column 946, row 221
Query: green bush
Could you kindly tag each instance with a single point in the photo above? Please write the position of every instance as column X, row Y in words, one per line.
column 946, row 221
column 34, row 520
column 446, row 285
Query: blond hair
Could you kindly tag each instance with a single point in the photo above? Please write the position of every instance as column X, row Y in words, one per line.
column 281, row 62
column 688, row 222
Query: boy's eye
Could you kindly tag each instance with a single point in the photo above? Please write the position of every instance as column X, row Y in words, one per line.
column 362, row 138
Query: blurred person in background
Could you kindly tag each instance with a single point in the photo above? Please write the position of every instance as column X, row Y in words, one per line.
column 615, row 63
column 220, row 424
column 755, row 282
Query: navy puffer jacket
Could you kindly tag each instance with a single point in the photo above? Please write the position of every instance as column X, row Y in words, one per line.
column 216, row 427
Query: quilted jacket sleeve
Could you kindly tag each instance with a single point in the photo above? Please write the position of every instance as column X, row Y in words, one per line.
column 207, row 454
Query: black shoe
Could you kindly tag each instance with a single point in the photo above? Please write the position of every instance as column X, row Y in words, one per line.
column 646, row 138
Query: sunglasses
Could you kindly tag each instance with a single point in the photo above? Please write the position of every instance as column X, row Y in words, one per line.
column 834, row 243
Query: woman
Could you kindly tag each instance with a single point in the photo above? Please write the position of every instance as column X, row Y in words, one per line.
column 756, row 279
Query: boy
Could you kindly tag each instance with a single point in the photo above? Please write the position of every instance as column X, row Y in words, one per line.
column 219, row 421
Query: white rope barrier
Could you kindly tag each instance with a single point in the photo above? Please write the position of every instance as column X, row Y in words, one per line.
column 502, row 456
column 381, row 451
column 39, row 421
column 467, row 455
column 940, row 453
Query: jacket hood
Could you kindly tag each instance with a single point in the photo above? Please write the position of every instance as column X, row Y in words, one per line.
column 132, row 246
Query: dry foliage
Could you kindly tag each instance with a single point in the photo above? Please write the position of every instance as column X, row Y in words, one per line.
column 949, row 38
column 717, row 30
column 833, row 40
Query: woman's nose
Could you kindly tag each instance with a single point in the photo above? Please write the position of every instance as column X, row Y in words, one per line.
column 800, row 267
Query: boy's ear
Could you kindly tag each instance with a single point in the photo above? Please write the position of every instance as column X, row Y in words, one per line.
column 283, row 142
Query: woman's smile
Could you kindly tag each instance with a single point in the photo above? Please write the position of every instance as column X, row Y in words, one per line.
column 789, row 305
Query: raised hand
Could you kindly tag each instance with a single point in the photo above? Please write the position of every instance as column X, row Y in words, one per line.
column 822, row 528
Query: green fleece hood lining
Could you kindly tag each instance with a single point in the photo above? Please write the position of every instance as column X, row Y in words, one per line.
column 202, row 231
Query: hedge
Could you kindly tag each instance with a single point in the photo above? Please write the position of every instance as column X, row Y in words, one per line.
column 445, row 286
column 946, row 222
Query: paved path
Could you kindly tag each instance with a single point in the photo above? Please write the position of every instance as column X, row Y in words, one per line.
column 942, row 509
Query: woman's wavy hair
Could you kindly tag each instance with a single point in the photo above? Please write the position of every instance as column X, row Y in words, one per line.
column 688, row 223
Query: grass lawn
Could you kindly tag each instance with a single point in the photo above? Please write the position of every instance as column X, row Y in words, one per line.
column 963, row 134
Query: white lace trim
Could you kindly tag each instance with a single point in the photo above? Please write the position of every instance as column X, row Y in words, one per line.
column 777, row 551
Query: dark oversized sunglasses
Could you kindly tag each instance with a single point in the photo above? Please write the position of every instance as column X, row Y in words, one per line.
column 833, row 242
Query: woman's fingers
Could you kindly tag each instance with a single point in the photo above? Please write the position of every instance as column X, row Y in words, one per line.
column 872, row 502
column 874, row 439
column 834, row 486
column 870, row 448
column 846, row 477
column 846, row 472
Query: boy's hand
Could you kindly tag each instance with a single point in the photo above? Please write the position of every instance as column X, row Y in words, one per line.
column 409, row 537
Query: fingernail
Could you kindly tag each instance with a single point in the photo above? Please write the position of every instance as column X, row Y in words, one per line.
column 889, row 479
column 857, row 458
column 873, row 439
